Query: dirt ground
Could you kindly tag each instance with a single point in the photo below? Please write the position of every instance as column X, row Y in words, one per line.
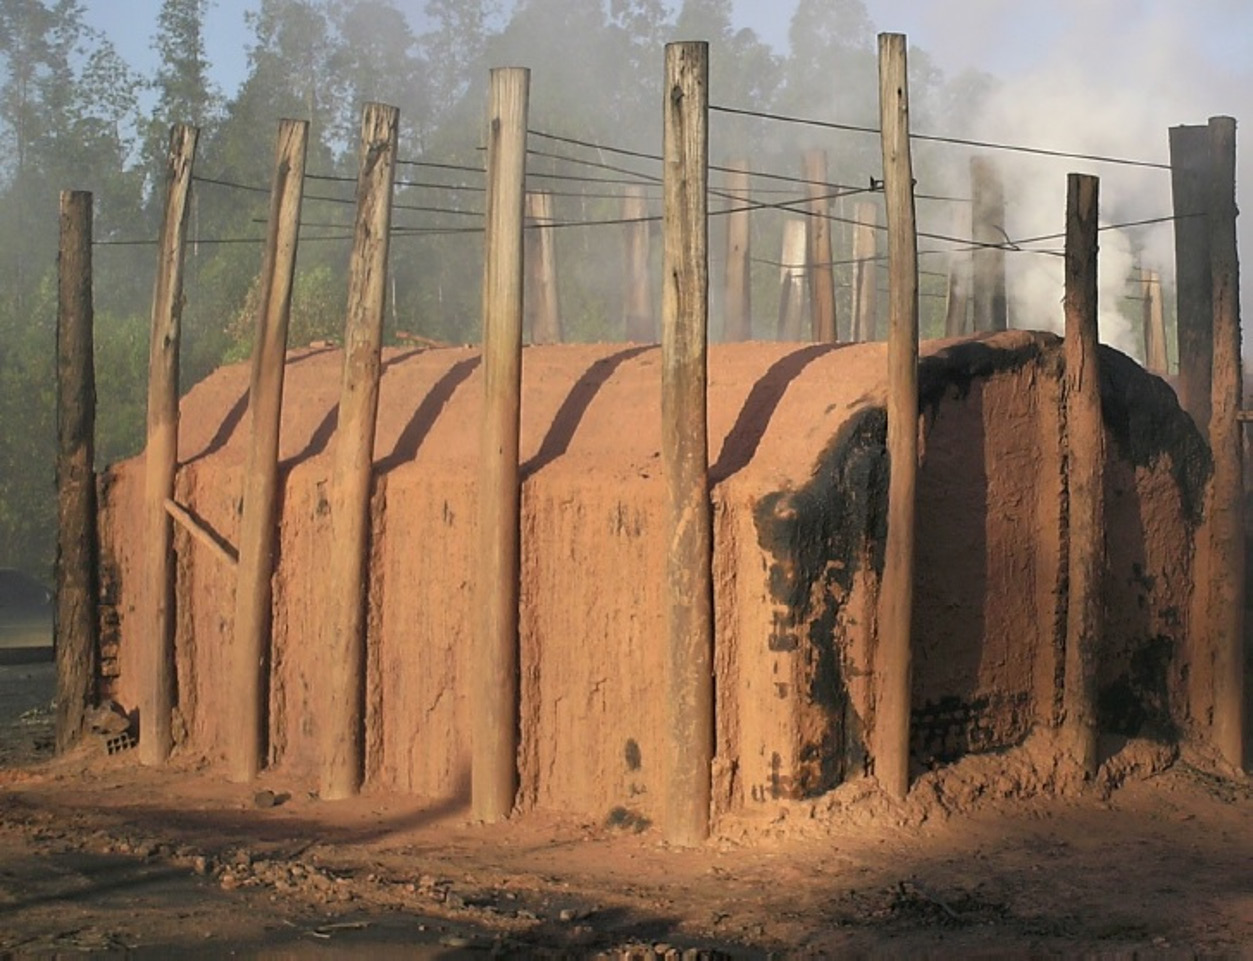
column 100, row 857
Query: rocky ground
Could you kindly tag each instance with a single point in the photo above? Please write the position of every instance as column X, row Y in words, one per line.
column 1002, row 857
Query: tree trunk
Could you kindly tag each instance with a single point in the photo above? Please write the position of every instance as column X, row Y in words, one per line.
column 77, row 586
column 684, row 444
column 891, row 761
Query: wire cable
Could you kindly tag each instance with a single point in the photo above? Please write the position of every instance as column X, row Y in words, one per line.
column 600, row 165
column 595, row 146
column 218, row 182
column 433, row 165
column 936, row 138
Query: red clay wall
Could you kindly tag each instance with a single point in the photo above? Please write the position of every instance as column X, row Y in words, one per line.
column 796, row 447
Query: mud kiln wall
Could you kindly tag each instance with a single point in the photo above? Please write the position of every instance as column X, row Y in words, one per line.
column 800, row 478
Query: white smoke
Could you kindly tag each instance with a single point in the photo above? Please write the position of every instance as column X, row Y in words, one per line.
column 1104, row 77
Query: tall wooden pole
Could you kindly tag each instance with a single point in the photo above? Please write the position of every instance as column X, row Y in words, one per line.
column 1154, row 323
column 738, row 300
column 1227, row 442
column 792, row 280
column 78, row 553
column 818, row 266
column 865, row 273
column 494, row 695
column 542, row 306
column 1190, row 178
column 991, row 311
column 352, row 471
column 1085, row 443
column 248, row 745
column 684, row 443
column 639, row 323
column 896, row 599
column 156, row 698
column 957, row 295
column 956, row 303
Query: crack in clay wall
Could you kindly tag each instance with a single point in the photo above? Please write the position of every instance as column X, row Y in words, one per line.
column 799, row 472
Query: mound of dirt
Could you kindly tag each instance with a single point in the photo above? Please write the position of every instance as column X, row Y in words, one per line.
column 799, row 472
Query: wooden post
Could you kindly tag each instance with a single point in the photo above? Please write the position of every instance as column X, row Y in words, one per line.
column 639, row 323
column 352, row 473
column 197, row 531
column 249, row 733
column 957, row 296
column 1190, row 178
column 865, row 273
column 991, row 311
column 541, row 262
column 156, row 698
column 494, row 695
column 684, row 443
column 1154, row 323
column 738, row 306
column 1085, row 445
column 896, row 599
column 792, row 280
column 78, row 553
column 956, row 304
column 1227, row 443
column 818, row 266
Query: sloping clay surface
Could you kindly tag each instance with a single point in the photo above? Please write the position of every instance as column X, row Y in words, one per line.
column 799, row 485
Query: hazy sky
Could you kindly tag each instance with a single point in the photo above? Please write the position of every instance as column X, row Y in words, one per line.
column 1000, row 36
column 1094, row 76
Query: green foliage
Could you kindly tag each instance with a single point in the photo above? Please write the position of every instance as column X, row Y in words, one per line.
column 317, row 313
column 28, row 441
column 121, row 344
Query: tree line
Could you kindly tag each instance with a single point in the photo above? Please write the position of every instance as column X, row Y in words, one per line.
column 75, row 115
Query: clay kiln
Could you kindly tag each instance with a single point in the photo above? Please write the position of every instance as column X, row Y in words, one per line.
column 799, row 471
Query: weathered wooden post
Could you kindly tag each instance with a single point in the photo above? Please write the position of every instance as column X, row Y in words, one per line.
column 865, row 273
column 78, row 552
column 956, row 302
column 1227, row 442
column 352, row 472
column 1154, row 323
column 896, row 599
column 818, row 266
column 957, row 294
column 542, row 306
column 249, row 734
column 494, row 695
column 684, row 443
column 1085, row 445
column 156, row 700
column 639, row 323
column 738, row 300
column 1190, row 178
column 792, row 280
column 991, row 311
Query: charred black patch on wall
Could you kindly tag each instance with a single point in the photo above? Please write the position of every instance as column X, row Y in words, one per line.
column 819, row 536
column 1143, row 416
column 1137, row 703
column 943, row 731
column 959, row 366
column 631, row 753
column 110, row 586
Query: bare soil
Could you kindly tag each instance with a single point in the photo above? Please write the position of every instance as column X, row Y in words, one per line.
column 100, row 857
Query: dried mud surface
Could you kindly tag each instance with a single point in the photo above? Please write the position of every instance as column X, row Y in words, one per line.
column 101, row 857
column 799, row 467
column 1001, row 854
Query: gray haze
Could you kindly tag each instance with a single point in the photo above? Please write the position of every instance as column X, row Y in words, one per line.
column 1092, row 76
